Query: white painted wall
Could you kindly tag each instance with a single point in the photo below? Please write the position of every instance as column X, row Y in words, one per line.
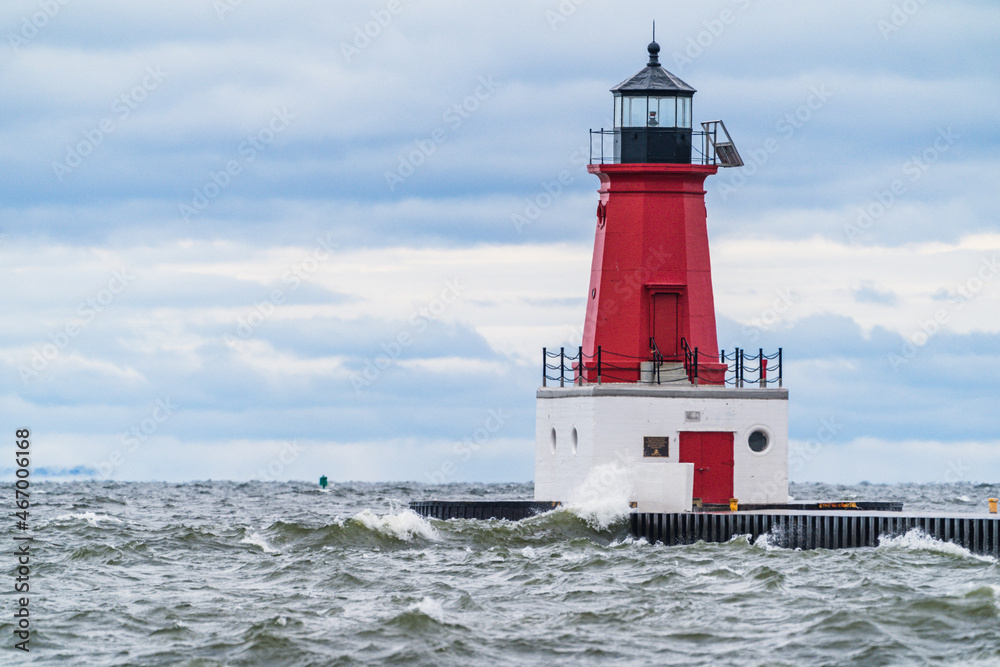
column 604, row 425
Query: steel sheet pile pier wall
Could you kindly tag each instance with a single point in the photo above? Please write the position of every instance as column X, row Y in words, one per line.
column 828, row 530
column 512, row 510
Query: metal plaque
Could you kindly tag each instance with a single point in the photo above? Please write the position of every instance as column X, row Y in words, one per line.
column 655, row 446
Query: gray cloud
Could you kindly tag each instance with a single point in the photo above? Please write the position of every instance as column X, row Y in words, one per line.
column 154, row 144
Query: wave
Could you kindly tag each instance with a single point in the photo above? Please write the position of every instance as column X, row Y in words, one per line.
column 254, row 538
column 981, row 590
column 602, row 524
column 569, row 527
column 405, row 525
column 427, row 615
column 110, row 554
column 364, row 529
column 601, row 513
column 603, row 498
column 90, row 517
column 431, row 608
column 918, row 540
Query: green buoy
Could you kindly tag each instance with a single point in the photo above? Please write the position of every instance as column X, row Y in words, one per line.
column 322, row 481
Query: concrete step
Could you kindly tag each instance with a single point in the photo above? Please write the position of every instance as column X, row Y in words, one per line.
column 670, row 373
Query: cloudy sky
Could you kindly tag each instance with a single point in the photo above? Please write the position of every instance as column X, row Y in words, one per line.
column 249, row 239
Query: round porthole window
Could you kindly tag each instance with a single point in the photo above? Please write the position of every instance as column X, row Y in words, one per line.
column 552, row 441
column 574, row 439
column 758, row 441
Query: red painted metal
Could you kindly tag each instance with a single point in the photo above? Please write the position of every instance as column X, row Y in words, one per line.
column 651, row 240
column 712, row 455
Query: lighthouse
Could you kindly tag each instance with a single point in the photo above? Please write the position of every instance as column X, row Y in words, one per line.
column 648, row 403
column 648, row 407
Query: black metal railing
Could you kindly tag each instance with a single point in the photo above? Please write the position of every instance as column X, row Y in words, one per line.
column 702, row 151
column 690, row 361
column 561, row 368
column 761, row 372
column 576, row 368
column 714, row 146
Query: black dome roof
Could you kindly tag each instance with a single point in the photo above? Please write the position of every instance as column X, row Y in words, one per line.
column 653, row 78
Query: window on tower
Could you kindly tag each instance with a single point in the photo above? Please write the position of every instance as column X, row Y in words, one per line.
column 637, row 111
column 659, row 112
column 684, row 112
column 666, row 111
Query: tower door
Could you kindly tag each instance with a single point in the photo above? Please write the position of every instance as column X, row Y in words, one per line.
column 665, row 324
column 712, row 456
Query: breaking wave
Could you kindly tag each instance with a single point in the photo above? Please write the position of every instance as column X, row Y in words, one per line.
column 917, row 540
column 254, row 538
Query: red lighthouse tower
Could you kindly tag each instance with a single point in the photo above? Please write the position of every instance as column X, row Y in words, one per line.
column 648, row 410
column 650, row 306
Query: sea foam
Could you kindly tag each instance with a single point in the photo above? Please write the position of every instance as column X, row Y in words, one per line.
column 404, row 525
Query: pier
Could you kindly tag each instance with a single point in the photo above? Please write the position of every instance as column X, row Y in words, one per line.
column 510, row 510
column 836, row 528
column 819, row 530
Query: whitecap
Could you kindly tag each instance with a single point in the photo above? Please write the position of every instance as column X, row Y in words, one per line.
column 89, row 517
column 403, row 526
column 574, row 556
column 628, row 540
column 430, row 608
column 917, row 540
column 529, row 552
column 768, row 542
column 254, row 538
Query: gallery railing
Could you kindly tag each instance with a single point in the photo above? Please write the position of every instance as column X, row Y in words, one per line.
column 576, row 368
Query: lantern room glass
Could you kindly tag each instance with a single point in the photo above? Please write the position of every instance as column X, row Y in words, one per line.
column 648, row 111
column 684, row 112
column 636, row 111
column 662, row 111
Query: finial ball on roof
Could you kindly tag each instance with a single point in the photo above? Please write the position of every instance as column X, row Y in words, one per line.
column 654, row 50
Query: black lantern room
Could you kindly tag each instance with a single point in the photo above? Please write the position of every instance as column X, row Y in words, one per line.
column 653, row 115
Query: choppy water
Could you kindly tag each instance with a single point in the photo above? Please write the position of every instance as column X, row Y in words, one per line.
column 281, row 573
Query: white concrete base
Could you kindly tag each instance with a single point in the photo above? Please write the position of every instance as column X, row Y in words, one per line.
column 661, row 486
column 589, row 442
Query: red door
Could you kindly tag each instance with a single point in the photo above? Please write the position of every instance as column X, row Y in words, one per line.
column 712, row 456
column 665, row 324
